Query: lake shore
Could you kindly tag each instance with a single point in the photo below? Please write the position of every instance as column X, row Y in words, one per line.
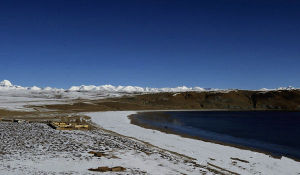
column 205, row 153
column 150, row 119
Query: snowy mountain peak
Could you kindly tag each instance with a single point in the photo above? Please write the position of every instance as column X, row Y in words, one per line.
column 286, row 88
column 280, row 88
column 132, row 89
column 35, row 88
column 5, row 83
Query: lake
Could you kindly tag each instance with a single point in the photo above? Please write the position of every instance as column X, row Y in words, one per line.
column 274, row 132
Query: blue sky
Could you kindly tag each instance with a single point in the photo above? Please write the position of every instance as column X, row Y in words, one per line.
column 219, row 43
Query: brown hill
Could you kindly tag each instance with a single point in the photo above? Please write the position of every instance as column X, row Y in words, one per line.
column 232, row 100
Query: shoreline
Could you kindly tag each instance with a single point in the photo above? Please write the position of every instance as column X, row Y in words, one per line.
column 205, row 153
column 133, row 120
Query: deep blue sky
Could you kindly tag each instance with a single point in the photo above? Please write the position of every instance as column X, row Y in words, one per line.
column 222, row 44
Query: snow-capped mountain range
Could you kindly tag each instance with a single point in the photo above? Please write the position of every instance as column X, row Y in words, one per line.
column 7, row 85
column 129, row 89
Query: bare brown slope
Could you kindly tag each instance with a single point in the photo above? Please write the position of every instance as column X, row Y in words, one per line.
column 9, row 113
column 233, row 100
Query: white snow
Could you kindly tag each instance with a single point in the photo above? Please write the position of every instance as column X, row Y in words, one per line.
column 38, row 149
column 264, row 89
column 132, row 89
column 5, row 83
column 35, row 88
column 280, row 88
column 286, row 88
column 204, row 152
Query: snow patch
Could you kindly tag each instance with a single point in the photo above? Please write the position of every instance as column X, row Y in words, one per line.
column 5, row 83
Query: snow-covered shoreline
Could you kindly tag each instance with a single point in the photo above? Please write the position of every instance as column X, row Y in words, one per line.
column 38, row 149
column 204, row 152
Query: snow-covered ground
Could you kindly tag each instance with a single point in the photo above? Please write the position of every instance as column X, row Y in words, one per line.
column 206, row 153
column 36, row 148
column 13, row 97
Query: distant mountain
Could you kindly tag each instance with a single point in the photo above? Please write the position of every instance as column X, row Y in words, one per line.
column 132, row 89
column 7, row 85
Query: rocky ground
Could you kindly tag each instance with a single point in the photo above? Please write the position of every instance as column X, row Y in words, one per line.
column 35, row 148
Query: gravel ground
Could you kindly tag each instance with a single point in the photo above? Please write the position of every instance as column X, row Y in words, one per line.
column 35, row 148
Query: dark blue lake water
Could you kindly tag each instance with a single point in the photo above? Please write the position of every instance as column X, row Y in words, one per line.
column 275, row 132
